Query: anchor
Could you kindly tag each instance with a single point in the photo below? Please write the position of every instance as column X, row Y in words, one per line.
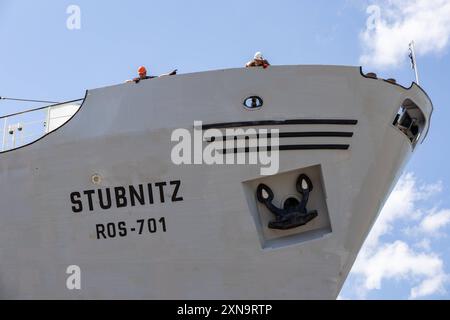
column 294, row 213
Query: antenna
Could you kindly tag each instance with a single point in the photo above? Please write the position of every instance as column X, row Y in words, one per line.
column 412, row 56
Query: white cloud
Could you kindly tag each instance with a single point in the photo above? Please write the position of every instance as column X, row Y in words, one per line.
column 424, row 244
column 435, row 221
column 396, row 260
column 392, row 24
column 402, row 204
column 430, row 286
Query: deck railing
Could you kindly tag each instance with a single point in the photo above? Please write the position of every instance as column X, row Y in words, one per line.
column 21, row 128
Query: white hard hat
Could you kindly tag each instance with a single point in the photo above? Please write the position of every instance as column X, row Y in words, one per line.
column 258, row 56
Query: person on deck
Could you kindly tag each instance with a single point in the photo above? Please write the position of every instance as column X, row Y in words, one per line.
column 142, row 71
column 258, row 61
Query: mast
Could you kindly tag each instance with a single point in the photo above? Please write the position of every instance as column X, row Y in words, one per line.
column 412, row 56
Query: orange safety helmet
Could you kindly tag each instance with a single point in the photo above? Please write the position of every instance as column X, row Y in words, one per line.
column 142, row 70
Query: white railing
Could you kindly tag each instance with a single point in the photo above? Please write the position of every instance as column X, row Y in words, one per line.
column 22, row 128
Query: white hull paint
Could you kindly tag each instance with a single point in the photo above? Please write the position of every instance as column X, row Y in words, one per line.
column 217, row 244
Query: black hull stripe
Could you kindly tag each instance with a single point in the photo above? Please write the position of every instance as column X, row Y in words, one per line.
column 277, row 122
column 293, row 147
column 315, row 134
column 287, row 135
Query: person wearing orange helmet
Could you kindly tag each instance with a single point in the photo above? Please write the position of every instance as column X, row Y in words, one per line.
column 142, row 71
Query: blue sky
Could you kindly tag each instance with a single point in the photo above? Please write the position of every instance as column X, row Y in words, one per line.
column 42, row 59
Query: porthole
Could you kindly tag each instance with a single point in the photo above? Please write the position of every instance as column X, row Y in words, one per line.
column 253, row 103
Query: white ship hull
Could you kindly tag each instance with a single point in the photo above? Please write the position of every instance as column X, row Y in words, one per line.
column 210, row 239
